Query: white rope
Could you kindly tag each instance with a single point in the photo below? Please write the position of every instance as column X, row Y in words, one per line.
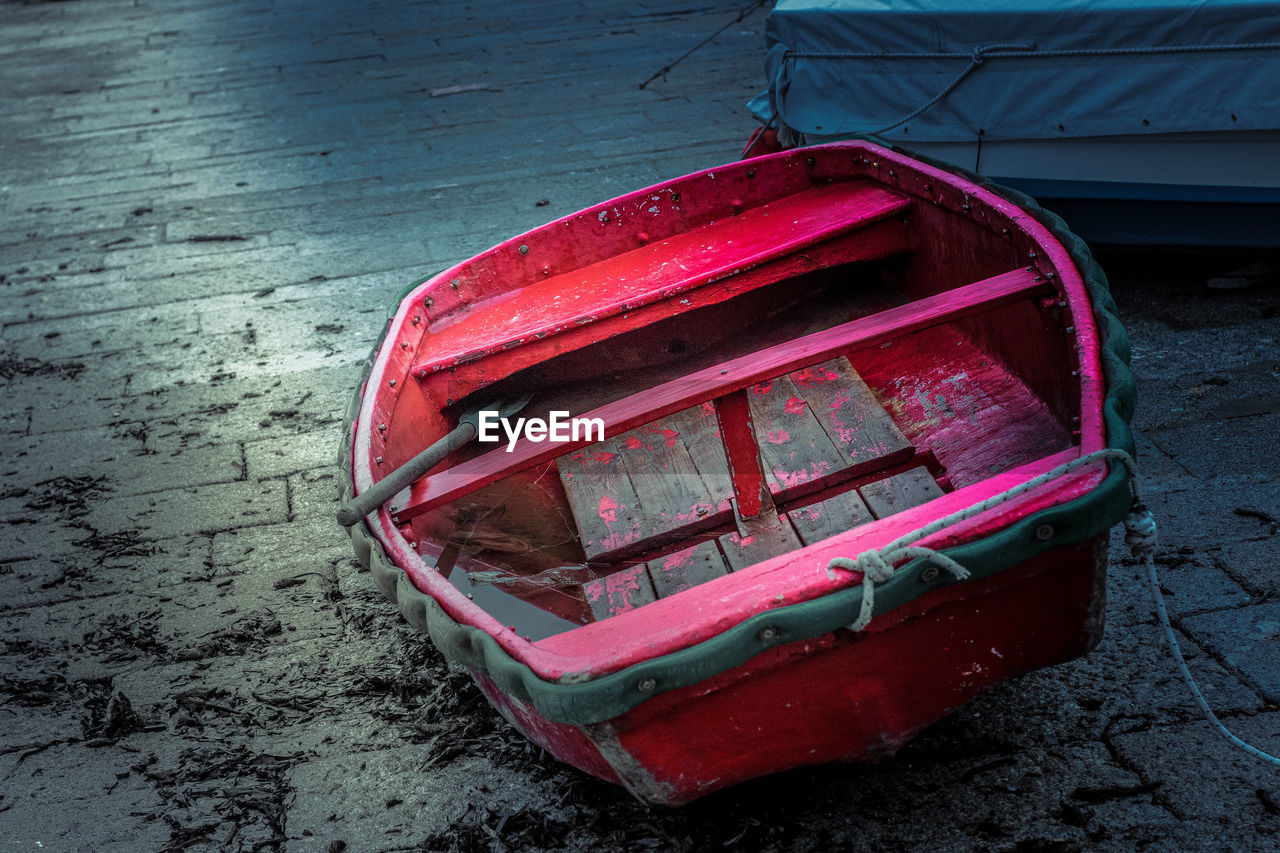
column 876, row 568
column 1141, row 536
column 877, row 565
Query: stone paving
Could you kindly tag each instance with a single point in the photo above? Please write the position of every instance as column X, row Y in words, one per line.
column 207, row 208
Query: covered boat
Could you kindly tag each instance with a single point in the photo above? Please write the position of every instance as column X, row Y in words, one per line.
column 857, row 413
column 1149, row 122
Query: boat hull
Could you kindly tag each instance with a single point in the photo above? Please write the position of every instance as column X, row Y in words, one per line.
column 759, row 671
column 838, row 697
column 1142, row 124
column 1183, row 190
column 1205, row 190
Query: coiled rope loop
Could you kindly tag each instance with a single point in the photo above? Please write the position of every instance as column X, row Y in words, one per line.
column 1140, row 531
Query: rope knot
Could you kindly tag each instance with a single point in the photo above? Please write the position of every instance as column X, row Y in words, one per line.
column 876, row 566
column 1140, row 531
column 875, row 569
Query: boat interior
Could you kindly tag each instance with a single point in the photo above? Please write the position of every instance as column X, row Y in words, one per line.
column 774, row 365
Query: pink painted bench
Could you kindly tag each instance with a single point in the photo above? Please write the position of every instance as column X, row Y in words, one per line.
column 663, row 270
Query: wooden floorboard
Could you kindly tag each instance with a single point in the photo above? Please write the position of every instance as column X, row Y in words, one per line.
column 605, row 505
column 861, row 430
column 687, row 568
column 673, row 498
column 797, row 454
column 899, row 492
column 619, row 592
column 766, row 537
column 824, row 519
column 700, row 436
column 654, row 485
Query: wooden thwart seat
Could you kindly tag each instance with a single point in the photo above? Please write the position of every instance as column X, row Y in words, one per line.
column 660, row 270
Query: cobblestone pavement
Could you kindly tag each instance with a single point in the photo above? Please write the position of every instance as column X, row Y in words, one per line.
column 207, row 208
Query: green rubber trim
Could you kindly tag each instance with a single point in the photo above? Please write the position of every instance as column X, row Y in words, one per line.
column 588, row 700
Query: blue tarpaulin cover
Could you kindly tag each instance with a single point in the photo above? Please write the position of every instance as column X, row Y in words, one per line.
column 1026, row 69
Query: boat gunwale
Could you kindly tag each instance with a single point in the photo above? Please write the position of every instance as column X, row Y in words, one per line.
column 582, row 657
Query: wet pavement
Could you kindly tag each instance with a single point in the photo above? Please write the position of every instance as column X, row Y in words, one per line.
column 207, row 208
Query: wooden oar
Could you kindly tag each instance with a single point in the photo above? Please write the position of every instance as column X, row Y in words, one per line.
column 389, row 486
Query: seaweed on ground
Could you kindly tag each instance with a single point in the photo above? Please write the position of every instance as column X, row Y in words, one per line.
column 11, row 366
column 69, row 496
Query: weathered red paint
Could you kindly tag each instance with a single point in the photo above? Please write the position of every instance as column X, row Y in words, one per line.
column 556, row 738
column 539, row 304
column 844, row 697
column 879, row 239
column 838, row 696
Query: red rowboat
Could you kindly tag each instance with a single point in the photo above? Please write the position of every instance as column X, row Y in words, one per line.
column 857, row 412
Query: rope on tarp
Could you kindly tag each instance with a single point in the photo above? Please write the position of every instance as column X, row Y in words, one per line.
column 1141, row 534
column 980, row 54
column 976, row 59
column 1030, row 50
column 758, row 136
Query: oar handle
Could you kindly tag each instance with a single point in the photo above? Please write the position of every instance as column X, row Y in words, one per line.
column 389, row 486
